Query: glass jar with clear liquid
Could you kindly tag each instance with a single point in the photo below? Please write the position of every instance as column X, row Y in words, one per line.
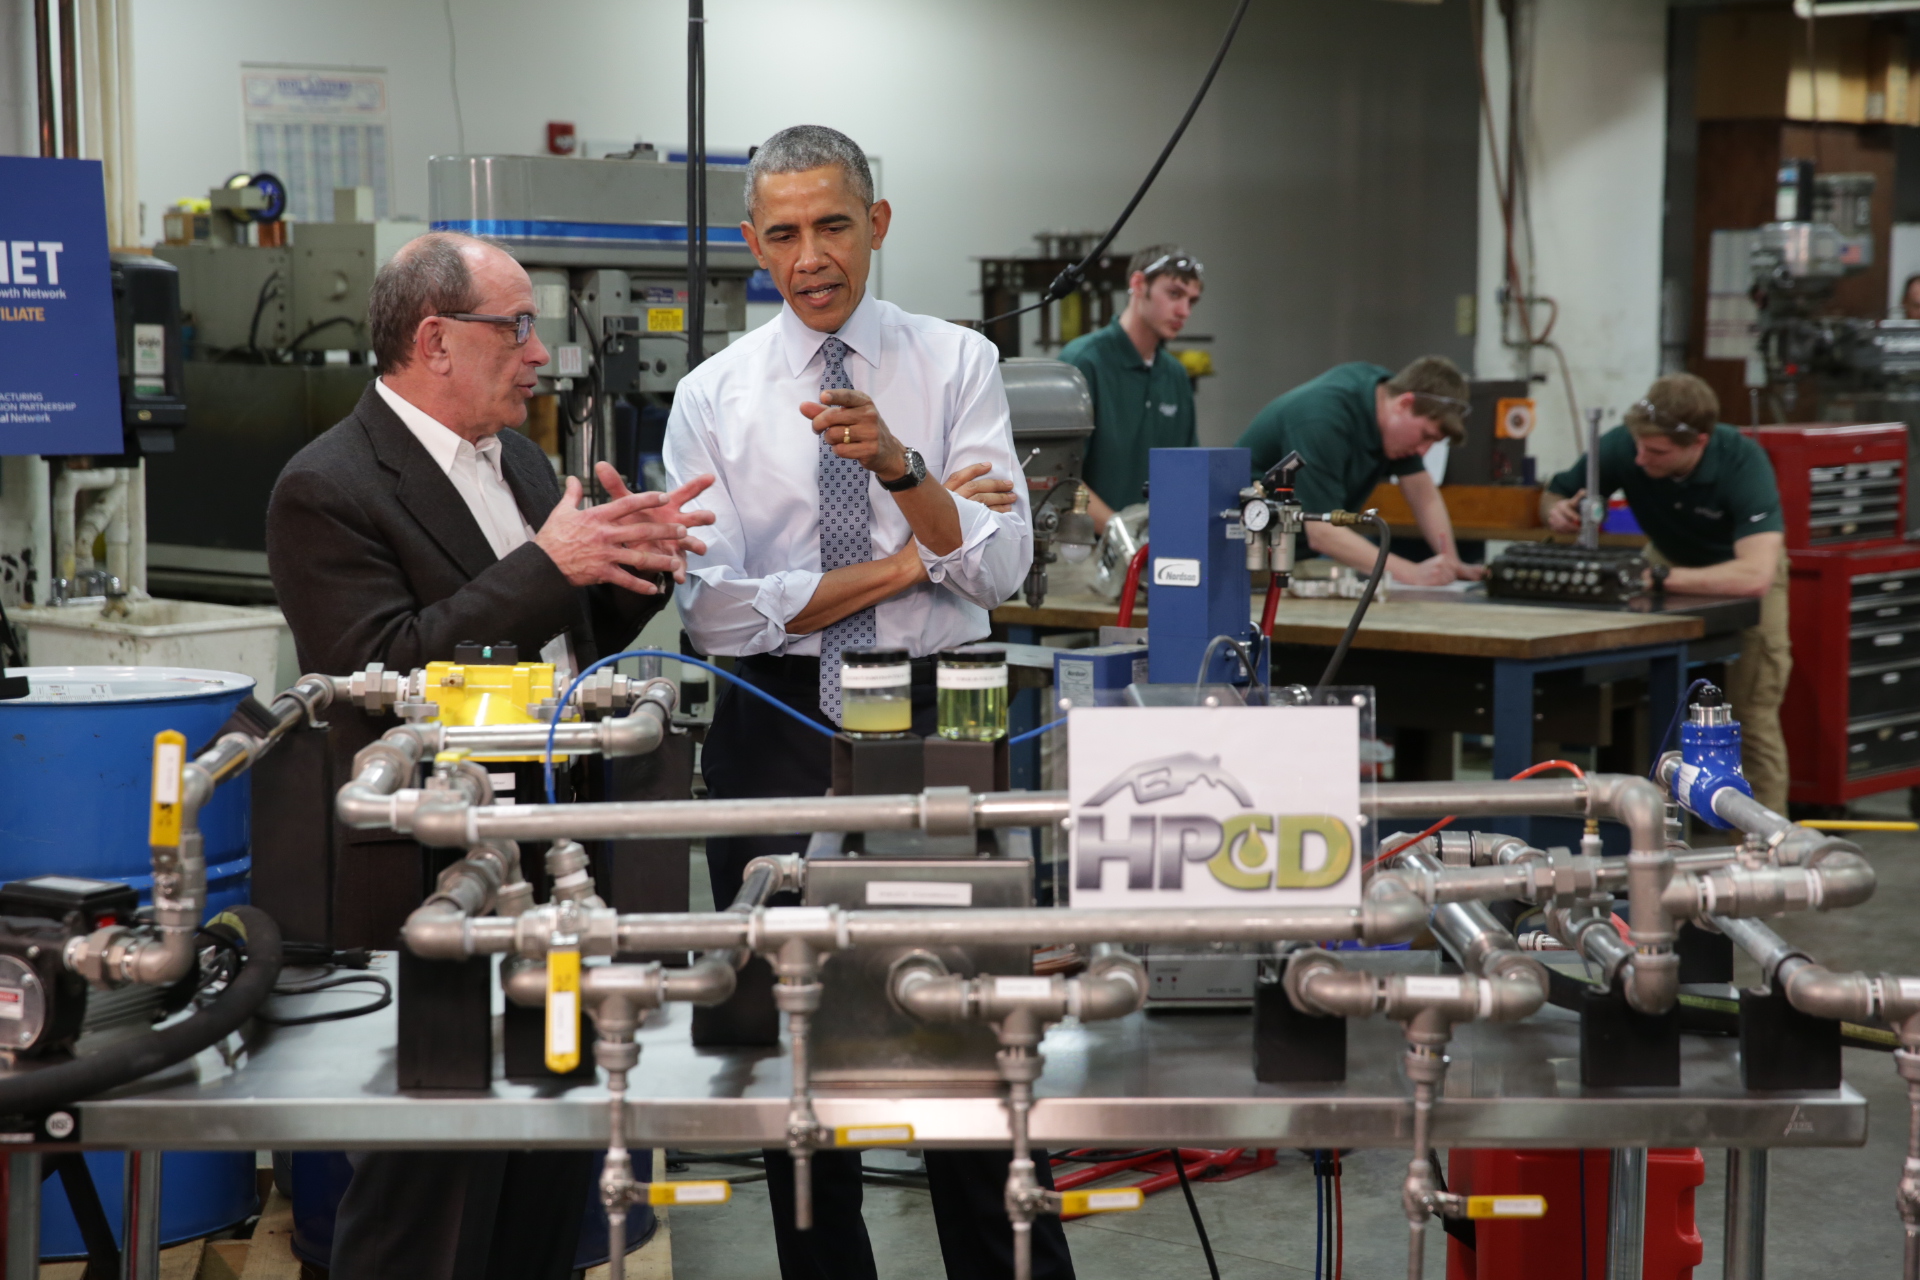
column 876, row 692
column 971, row 687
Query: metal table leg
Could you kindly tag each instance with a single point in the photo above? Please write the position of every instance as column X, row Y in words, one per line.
column 1627, row 1213
column 23, row 1216
column 1513, row 719
column 1746, row 1229
column 140, row 1247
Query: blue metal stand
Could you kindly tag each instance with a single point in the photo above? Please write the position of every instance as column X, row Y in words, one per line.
column 1514, row 716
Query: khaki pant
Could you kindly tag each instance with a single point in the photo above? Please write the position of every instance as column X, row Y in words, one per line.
column 1756, row 686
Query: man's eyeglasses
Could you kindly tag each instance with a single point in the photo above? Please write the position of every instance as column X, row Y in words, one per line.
column 522, row 323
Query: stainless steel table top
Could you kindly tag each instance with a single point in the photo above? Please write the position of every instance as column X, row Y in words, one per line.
column 1146, row 1080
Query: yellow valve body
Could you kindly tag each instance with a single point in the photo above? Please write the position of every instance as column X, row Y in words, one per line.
column 169, row 758
column 672, row 1193
column 1104, row 1200
column 872, row 1135
column 1506, row 1206
column 469, row 695
column 563, row 1010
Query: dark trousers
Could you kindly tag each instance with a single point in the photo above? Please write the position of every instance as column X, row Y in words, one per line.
column 754, row 750
column 461, row 1215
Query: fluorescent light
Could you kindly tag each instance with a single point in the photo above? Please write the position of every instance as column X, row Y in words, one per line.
column 1843, row 8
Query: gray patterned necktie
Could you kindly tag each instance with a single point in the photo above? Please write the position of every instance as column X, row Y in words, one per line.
column 846, row 536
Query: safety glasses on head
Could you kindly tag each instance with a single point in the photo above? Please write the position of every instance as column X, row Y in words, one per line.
column 1175, row 264
column 522, row 323
column 1429, row 404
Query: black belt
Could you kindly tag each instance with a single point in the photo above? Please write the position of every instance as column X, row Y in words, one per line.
column 804, row 669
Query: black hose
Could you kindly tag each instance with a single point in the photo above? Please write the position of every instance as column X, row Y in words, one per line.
column 1068, row 281
column 83, row 1198
column 1193, row 1207
column 1360, row 609
column 127, row 1061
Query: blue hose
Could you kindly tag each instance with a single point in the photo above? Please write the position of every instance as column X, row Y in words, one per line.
column 554, row 725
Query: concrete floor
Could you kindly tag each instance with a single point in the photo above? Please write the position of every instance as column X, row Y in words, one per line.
column 1832, row 1211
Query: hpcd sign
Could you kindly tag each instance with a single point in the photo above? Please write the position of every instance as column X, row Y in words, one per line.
column 1215, row 806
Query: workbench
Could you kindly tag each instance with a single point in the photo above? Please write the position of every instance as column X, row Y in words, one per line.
column 1459, row 661
column 1144, row 1080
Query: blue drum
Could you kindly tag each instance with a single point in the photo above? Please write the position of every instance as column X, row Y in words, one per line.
column 76, row 771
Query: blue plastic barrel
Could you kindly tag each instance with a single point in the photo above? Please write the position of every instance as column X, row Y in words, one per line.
column 76, row 773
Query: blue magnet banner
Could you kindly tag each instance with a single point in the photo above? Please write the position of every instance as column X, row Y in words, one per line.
column 59, row 366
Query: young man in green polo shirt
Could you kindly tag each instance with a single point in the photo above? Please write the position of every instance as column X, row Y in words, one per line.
column 1706, row 498
column 1142, row 396
column 1357, row 424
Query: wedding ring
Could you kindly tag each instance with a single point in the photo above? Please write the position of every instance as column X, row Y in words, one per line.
column 848, row 438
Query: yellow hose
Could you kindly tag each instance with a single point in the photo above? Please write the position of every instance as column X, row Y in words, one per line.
column 1849, row 824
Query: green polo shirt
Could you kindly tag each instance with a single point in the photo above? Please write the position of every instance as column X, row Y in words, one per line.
column 1332, row 422
column 1696, row 520
column 1136, row 407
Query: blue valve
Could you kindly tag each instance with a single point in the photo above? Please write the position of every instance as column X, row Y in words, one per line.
column 1709, row 757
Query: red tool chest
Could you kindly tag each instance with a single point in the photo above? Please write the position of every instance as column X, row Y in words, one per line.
column 1839, row 485
column 1852, row 714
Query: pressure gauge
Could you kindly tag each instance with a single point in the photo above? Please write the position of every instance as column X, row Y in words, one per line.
column 1256, row 516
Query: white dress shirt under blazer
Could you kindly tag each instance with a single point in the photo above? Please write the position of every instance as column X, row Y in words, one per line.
column 937, row 387
column 475, row 474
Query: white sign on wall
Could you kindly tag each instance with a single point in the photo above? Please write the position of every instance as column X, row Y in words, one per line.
column 317, row 128
column 1215, row 806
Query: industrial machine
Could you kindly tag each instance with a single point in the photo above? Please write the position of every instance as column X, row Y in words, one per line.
column 1584, row 573
column 606, row 244
column 1052, row 412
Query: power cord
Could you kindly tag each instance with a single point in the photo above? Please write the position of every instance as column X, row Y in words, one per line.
column 378, row 1003
column 1069, row 281
column 1180, row 1165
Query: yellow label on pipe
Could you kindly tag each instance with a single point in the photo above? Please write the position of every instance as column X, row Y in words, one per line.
column 563, row 1010
column 671, row 1193
column 872, row 1135
column 1105, row 1200
column 1506, row 1206
column 169, row 759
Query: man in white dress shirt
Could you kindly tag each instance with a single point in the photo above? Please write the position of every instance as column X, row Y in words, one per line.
column 826, row 430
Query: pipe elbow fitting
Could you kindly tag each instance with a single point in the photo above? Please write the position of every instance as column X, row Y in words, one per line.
column 1114, row 985
column 1846, row 879
column 920, row 987
column 1516, row 987
column 1815, row 989
column 524, row 982
column 709, row 980
column 437, row 930
column 1652, row 981
column 1320, row 985
column 1391, row 911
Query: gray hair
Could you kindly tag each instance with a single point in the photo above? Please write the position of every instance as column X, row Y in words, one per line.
column 809, row 146
column 429, row 275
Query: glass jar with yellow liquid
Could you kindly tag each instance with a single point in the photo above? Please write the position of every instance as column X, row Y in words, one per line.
column 971, row 683
column 876, row 692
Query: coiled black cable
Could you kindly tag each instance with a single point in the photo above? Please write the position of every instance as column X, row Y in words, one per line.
column 59, row 1084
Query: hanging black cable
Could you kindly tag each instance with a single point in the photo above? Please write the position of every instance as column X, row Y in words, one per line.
column 1200, row 1228
column 696, row 182
column 1069, row 281
column 1360, row 609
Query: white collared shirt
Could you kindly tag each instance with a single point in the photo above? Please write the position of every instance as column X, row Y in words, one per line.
column 477, row 478
column 937, row 387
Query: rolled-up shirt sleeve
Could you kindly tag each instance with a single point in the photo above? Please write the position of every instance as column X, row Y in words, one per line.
column 724, row 608
column 996, row 548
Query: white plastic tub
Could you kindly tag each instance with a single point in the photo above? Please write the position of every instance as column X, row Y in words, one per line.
column 157, row 633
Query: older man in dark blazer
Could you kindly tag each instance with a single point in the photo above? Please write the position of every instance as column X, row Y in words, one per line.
column 417, row 523
column 422, row 521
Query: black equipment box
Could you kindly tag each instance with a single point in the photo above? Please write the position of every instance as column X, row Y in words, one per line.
column 1542, row 571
